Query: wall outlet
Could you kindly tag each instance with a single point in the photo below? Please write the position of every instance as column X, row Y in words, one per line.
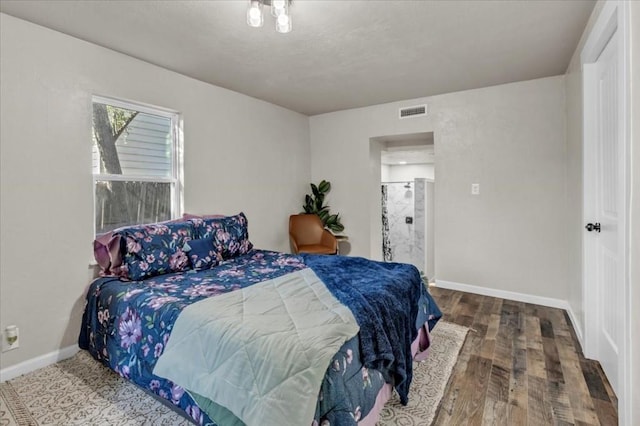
column 475, row 189
column 10, row 338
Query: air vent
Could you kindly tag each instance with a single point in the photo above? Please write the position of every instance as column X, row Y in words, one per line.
column 414, row 111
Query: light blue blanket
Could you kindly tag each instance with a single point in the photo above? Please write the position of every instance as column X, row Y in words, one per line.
column 261, row 351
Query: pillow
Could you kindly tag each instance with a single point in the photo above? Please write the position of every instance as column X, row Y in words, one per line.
column 107, row 249
column 155, row 249
column 206, row 227
column 230, row 234
column 233, row 238
column 203, row 254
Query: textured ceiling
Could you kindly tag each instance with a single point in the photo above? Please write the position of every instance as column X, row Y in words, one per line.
column 340, row 54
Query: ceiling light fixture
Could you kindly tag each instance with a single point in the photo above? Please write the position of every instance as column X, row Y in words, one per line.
column 279, row 10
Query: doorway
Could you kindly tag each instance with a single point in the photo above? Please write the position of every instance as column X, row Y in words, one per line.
column 406, row 191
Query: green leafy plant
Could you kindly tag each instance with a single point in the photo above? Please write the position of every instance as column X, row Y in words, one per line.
column 314, row 204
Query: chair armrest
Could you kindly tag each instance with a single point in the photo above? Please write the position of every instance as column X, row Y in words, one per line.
column 328, row 240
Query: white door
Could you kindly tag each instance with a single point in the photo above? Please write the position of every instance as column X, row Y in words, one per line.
column 606, row 210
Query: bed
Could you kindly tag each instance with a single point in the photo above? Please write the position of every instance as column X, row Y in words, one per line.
column 127, row 325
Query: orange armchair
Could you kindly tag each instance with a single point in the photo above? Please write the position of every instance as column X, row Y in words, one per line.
column 307, row 235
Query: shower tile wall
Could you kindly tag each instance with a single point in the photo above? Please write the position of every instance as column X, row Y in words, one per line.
column 401, row 235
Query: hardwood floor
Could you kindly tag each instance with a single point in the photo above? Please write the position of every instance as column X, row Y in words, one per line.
column 521, row 364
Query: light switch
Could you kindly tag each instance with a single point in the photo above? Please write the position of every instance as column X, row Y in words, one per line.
column 475, row 189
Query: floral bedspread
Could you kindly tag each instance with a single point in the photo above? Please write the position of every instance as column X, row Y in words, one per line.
column 126, row 326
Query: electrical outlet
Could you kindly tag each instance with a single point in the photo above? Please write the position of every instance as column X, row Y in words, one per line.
column 10, row 338
column 475, row 189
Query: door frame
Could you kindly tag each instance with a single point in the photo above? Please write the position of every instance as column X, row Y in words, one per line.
column 613, row 18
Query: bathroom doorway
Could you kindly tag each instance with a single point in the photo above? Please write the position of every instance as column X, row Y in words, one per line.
column 407, row 187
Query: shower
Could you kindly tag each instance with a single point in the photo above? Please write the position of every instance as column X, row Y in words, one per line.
column 399, row 242
column 408, row 193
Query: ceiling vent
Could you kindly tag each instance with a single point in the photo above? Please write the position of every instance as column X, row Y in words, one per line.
column 414, row 111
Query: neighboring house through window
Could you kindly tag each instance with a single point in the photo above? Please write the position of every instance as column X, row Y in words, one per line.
column 137, row 164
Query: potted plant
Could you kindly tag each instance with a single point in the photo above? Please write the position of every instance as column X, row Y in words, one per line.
column 314, row 204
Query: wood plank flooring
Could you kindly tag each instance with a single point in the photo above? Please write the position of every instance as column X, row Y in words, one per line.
column 521, row 364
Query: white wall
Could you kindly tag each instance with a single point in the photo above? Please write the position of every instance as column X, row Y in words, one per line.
column 384, row 177
column 239, row 154
column 408, row 172
column 510, row 237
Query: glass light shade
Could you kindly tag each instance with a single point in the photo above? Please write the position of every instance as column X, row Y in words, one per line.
column 279, row 7
column 283, row 23
column 255, row 17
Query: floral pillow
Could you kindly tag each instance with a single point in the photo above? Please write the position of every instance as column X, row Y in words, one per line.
column 235, row 239
column 155, row 249
column 206, row 227
column 203, row 254
column 108, row 250
column 230, row 234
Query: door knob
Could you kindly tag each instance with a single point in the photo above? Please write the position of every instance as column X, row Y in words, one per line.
column 593, row 227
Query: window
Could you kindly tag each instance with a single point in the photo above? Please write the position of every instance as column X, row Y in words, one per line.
column 137, row 164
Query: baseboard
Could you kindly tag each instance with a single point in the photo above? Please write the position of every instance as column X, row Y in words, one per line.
column 37, row 362
column 504, row 294
column 577, row 327
column 518, row 297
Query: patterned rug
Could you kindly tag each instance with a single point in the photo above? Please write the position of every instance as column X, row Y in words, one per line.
column 430, row 379
column 80, row 391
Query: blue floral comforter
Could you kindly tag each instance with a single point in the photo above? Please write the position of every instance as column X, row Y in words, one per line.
column 126, row 326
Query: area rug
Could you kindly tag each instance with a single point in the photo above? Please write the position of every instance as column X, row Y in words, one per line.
column 80, row 391
column 430, row 379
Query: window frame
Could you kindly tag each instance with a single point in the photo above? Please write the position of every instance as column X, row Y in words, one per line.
column 176, row 180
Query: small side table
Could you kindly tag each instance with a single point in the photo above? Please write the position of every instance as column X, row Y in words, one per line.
column 341, row 238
